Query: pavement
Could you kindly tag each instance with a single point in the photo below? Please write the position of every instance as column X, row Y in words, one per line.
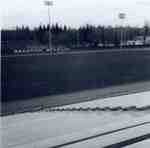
column 75, row 129
column 35, row 104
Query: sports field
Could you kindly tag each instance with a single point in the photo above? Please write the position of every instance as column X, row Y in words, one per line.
column 24, row 77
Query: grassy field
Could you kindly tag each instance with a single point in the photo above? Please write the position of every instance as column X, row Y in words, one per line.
column 34, row 76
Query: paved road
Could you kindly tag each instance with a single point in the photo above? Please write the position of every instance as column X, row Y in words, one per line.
column 78, row 129
column 72, row 98
column 78, row 52
column 115, row 145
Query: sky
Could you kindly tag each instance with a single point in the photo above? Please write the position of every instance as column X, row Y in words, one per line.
column 74, row 13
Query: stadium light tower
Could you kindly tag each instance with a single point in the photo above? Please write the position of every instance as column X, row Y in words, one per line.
column 48, row 4
column 121, row 16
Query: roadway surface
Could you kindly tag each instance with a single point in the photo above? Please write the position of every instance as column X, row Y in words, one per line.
column 75, row 129
column 37, row 103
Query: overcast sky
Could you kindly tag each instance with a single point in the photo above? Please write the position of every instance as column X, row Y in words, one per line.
column 74, row 12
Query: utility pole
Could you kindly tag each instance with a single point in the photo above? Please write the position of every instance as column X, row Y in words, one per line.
column 48, row 4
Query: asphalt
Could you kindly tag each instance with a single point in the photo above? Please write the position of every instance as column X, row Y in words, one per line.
column 116, row 145
column 34, row 104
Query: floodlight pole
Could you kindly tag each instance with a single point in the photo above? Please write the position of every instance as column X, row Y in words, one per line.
column 121, row 17
column 48, row 4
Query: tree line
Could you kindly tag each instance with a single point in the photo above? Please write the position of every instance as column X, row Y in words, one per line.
column 72, row 37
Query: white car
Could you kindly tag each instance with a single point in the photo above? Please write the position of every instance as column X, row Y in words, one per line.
column 130, row 43
column 139, row 43
column 100, row 45
column 15, row 51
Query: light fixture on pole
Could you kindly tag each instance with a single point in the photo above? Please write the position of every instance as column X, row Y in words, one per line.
column 48, row 4
column 121, row 16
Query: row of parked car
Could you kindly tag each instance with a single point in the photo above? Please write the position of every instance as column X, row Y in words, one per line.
column 125, row 44
column 138, row 41
column 47, row 50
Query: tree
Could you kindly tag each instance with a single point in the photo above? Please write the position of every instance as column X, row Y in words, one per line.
column 146, row 32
